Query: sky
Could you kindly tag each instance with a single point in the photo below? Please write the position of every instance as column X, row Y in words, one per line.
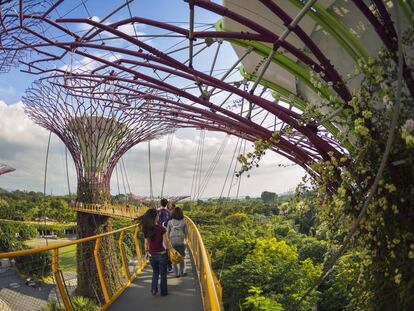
column 23, row 143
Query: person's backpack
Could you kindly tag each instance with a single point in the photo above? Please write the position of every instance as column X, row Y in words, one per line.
column 164, row 217
column 177, row 234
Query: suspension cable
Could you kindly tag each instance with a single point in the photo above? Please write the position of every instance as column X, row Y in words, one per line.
column 213, row 164
column 126, row 176
column 149, row 171
column 67, row 170
column 196, row 164
column 44, row 184
column 123, row 180
column 231, row 164
column 166, row 160
column 200, row 167
column 234, row 172
column 117, row 179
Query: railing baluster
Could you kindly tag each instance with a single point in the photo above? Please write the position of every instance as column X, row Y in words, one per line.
column 59, row 281
column 98, row 262
column 123, row 255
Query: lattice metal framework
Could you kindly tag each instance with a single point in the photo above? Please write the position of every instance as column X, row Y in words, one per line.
column 252, row 101
column 96, row 125
column 16, row 26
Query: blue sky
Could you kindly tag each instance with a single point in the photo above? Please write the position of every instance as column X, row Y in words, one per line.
column 23, row 144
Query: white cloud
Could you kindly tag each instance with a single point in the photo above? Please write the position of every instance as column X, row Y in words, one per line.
column 86, row 27
column 23, row 146
column 131, row 29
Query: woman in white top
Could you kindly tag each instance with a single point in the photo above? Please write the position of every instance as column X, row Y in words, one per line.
column 177, row 231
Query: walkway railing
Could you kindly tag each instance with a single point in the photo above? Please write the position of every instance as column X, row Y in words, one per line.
column 211, row 291
column 58, row 260
column 126, row 211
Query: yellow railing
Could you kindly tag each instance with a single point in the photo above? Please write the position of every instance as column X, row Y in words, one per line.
column 57, row 272
column 126, row 211
column 211, row 291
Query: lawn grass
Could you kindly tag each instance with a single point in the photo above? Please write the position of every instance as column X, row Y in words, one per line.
column 67, row 258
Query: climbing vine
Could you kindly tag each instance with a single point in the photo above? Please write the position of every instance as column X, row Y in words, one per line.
column 386, row 233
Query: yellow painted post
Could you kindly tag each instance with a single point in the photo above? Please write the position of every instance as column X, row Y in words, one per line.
column 59, row 281
column 98, row 262
column 123, row 255
column 137, row 248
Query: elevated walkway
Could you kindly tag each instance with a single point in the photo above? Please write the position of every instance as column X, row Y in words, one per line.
column 183, row 293
column 125, row 211
column 199, row 290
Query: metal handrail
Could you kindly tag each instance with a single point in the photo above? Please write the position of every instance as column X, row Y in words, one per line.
column 211, row 291
column 129, row 211
column 97, row 256
column 40, row 249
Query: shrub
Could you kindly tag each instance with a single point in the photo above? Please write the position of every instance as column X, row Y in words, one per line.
column 27, row 231
column 8, row 240
column 282, row 229
column 83, row 304
column 236, row 219
column 36, row 266
column 313, row 249
column 52, row 305
column 273, row 266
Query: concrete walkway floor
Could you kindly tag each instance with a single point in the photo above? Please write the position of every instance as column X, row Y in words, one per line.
column 183, row 293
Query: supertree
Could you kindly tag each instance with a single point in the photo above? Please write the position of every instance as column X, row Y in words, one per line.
column 97, row 131
column 4, row 169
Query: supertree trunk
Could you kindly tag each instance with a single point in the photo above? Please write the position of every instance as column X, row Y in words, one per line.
column 89, row 225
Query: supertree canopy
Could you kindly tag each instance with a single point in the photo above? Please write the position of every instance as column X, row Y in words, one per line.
column 4, row 169
column 97, row 130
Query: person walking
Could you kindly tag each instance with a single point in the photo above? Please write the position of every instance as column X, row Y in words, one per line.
column 155, row 239
column 177, row 231
column 164, row 213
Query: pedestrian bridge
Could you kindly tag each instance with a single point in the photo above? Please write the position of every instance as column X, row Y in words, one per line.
column 199, row 290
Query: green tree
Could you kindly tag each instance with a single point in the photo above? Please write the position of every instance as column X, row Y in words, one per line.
column 257, row 302
column 273, row 266
column 5, row 211
column 268, row 197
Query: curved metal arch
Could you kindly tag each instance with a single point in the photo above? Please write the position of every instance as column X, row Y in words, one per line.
column 165, row 59
column 329, row 72
column 317, row 142
column 230, row 119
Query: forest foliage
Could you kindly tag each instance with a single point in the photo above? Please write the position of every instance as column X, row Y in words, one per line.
column 267, row 255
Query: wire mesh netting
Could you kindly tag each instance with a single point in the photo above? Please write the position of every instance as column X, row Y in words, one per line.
column 26, row 282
